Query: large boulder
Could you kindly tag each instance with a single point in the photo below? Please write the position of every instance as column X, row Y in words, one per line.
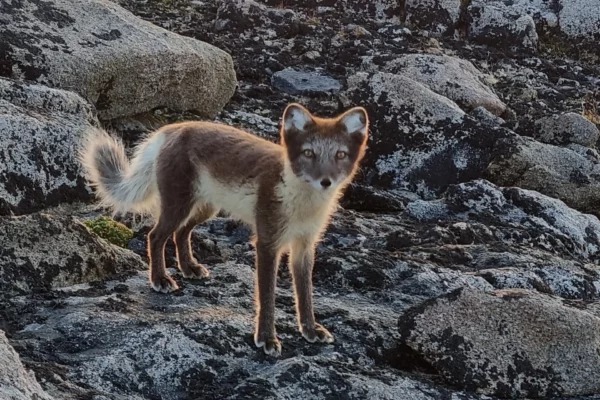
column 66, row 253
column 40, row 130
column 451, row 77
column 118, row 62
column 16, row 383
column 571, row 174
column 509, row 343
column 421, row 141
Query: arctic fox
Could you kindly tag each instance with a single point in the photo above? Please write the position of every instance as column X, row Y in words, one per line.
column 188, row 172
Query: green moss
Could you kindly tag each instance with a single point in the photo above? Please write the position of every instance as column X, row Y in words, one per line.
column 112, row 231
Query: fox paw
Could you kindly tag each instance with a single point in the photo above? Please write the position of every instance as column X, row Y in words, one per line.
column 317, row 334
column 164, row 284
column 270, row 344
column 194, row 271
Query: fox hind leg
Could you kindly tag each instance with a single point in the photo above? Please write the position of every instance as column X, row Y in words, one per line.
column 168, row 222
column 189, row 267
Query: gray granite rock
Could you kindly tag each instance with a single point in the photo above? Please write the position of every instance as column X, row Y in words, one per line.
column 567, row 128
column 118, row 62
column 40, row 130
column 571, row 174
column 421, row 141
column 451, row 77
column 509, row 343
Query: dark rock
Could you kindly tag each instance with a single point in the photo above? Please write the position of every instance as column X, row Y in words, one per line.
column 307, row 83
column 365, row 198
column 421, row 141
column 496, row 24
column 437, row 16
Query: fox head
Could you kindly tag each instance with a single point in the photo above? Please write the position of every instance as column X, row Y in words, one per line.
column 324, row 152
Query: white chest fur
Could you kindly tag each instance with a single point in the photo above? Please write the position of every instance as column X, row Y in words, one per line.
column 307, row 210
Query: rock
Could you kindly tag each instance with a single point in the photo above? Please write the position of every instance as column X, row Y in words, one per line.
column 199, row 344
column 66, row 253
column 438, row 16
column 580, row 19
column 420, row 141
column 510, row 343
column 118, row 62
column 495, row 24
column 512, row 238
column 41, row 128
column 485, row 117
column 452, row 77
column 571, row 232
column 16, row 383
column 304, row 83
column 120, row 339
column 246, row 15
column 569, row 174
column 543, row 12
column 365, row 198
column 567, row 128
column 359, row 10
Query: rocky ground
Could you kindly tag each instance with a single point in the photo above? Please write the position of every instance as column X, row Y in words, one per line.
column 463, row 264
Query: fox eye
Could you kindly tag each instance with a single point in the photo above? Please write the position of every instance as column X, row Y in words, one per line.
column 308, row 153
column 340, row 155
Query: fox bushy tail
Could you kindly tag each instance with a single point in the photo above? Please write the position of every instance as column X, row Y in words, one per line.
column 120, row 184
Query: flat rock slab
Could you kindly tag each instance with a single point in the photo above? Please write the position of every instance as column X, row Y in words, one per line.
column 118, row 62
column 40, row 129
column 551, row 224
column 66, row 253
column 304, row 83
column 509, row 343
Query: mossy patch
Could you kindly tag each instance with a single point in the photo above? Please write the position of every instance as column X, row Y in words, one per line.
column 110, row 230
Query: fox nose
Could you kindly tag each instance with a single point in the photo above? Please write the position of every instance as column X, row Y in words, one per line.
column 325, row 183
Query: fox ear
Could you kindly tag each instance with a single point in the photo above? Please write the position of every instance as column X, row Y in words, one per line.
column 356, row 121
column 296, row 117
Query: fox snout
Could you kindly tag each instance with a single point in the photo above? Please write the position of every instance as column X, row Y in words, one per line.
column 322, row 176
